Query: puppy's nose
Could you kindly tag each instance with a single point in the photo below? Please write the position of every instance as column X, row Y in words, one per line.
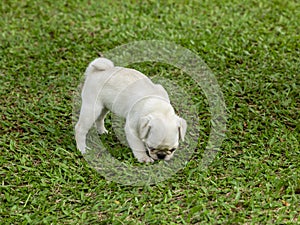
column 161, row 156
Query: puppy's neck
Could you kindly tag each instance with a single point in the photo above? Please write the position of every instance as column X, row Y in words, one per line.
column 158, row 106
column 151, row 104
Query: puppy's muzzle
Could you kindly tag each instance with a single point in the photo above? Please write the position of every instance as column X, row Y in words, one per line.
column 160, row 156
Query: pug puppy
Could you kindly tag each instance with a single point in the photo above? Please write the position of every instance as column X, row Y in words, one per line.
column 152, row 128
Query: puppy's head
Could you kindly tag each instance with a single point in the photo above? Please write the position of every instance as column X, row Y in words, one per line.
column 161, row 134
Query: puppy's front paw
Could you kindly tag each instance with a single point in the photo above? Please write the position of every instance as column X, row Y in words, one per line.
column 82, row 148
column 145, row 159
column 102, row 130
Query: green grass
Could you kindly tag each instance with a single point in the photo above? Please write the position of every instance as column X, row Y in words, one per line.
column 253, row 49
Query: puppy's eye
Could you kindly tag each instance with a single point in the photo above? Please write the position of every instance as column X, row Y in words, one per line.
column 151, row 149
column 173, row 149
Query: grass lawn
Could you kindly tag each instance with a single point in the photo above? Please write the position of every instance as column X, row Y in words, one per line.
column 253, row 49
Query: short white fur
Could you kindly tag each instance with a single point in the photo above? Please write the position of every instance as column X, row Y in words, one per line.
column 152, row 128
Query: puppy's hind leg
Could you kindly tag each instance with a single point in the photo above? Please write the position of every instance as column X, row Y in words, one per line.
column 88, row 115
column 100, row 122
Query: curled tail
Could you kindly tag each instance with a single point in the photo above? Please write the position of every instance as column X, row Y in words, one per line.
column 99, row 64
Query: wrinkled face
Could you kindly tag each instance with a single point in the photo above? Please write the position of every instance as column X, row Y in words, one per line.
column 161, row 136
column 160, row 153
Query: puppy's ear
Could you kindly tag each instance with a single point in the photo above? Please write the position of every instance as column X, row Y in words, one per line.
column 182, row 128
column 144, row 126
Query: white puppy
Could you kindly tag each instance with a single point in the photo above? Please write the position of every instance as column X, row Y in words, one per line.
column 152, row 128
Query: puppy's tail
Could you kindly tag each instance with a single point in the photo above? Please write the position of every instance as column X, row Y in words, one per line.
column 99, row 64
